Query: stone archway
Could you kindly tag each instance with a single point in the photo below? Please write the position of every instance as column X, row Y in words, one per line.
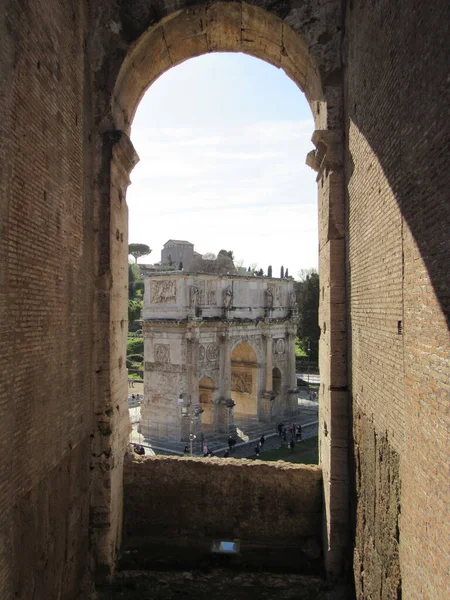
column 244, row 380
column 312, row 61
column 206, row 398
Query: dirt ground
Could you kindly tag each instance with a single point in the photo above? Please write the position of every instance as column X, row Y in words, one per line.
column 217, row 584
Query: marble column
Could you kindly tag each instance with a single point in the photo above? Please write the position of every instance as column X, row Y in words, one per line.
column 269, row 369
column 225, row 415
column 268, row 395
column 292, row 391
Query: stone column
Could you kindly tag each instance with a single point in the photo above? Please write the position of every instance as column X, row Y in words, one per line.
column 290, row 360
column 225, row 413
column 327, row 160
column 268, row 395
column 191, row 399
column 109, row 383
column 269, row 369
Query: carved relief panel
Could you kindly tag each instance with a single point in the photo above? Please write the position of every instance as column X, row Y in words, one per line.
column 241, row 382
column 163, row 291
column 212, row 352
column 279, row 346
column 162, row 353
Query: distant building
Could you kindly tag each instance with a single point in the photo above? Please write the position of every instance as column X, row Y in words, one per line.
column 175, row 252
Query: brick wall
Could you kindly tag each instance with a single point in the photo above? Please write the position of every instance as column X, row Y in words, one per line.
column 190, row 502
column 45, row 300
column 398, row 223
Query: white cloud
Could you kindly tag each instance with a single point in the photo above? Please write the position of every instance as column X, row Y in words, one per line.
column 241, row 186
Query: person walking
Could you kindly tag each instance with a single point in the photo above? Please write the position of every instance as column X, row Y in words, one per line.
column 230, row 443
column 257, row 451
column 284, row 434
column 262, row 439
column 298, row 435
column 292, row 445
column 205, row 449
column 280, row 429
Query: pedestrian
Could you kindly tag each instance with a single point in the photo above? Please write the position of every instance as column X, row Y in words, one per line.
column 230, row 443
column 139, row 449
column 284, row 434
column 186, row 449
column 292, row 446
column 298, row 435
column 257, row 451
column 280, row 429
column 262, row 439
column 205, row 449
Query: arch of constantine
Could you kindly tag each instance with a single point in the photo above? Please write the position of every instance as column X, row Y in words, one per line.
column 211, row 346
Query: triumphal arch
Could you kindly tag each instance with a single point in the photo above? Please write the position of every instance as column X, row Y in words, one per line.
column 217, row 347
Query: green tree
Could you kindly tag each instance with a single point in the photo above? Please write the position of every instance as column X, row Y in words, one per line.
column 138, row 250
column 134, row 310
column 308, row 330
column 135, row 282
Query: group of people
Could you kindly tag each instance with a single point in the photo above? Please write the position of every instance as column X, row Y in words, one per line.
column 312, row 395
column 295, row 434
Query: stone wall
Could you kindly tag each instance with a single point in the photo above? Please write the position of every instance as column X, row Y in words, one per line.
column 398, row 228
column 170, row 500
column 46, row 295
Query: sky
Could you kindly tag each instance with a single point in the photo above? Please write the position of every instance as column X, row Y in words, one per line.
column 222, row 141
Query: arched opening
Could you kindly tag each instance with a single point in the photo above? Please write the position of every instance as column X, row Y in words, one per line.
column 244, row 381
column 238, row 27
column 206, row 398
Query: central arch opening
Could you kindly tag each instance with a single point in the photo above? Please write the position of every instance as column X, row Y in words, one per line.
column 202, row 156
column 245, row 380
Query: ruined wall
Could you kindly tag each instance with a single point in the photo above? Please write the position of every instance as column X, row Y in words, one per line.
column 46, row 291
column 169, row 499
column 398, row 261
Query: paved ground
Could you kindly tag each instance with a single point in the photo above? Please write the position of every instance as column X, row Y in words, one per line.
column 248, row 432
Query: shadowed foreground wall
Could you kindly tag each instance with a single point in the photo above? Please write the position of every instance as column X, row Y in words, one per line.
column 397, row 90
column 277, row 505
column 46, row 294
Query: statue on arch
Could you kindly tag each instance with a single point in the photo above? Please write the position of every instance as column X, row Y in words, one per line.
column 228, row 298
column 195, row 296
column 269, row 297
